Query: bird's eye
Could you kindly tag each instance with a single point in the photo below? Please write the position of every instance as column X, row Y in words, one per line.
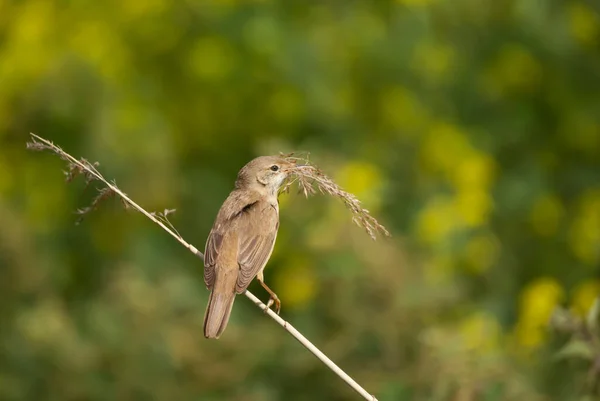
column 274, row 167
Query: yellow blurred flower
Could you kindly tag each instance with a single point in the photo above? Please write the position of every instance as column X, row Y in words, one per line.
column 513, row 70
column 140, row 9
column 546, row 214
column 96, row 42
column 475, row 171
column 297, row 286
column 584, row 23
column 433, row 61
column 447, row 151
column 473, row 206
column 402, row 110
column 363, row 180
column 481, row 252
column 584, row 233
column 34, row 22
column 444, row 147
column 584, row 296
column 480, row 332
column 28, row 49
column 5, row 7
column 437, row 220
column 538, row 301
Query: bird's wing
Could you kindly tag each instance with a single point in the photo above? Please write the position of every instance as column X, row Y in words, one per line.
column 232, row 209
column 257, row 231
column 211, row 252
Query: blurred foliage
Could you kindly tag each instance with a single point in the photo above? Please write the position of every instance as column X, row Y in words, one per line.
column 471, row 128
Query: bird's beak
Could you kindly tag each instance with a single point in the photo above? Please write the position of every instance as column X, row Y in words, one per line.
column 291, row 166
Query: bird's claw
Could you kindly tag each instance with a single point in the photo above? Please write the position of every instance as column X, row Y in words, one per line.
column 275, row 301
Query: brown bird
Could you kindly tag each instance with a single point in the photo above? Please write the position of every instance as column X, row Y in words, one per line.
column 242, row 239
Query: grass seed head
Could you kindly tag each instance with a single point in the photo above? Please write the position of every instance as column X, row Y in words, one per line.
column 308, row 177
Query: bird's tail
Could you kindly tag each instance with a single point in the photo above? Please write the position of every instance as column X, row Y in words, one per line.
column 217, row 313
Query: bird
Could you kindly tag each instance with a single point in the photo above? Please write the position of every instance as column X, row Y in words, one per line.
column 242, row 238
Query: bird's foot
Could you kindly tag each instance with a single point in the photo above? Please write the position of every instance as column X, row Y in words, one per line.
column 274, row 300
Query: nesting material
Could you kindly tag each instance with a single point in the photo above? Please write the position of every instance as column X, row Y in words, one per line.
column 311, row 179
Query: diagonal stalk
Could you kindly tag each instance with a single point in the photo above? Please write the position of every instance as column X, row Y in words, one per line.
column 39, row 143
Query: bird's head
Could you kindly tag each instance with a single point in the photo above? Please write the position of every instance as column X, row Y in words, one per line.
column 264, row 174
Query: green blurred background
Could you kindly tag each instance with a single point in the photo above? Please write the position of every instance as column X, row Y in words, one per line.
column 470, row 128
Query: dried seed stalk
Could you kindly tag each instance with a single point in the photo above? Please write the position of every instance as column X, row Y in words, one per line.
column 307, row 176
